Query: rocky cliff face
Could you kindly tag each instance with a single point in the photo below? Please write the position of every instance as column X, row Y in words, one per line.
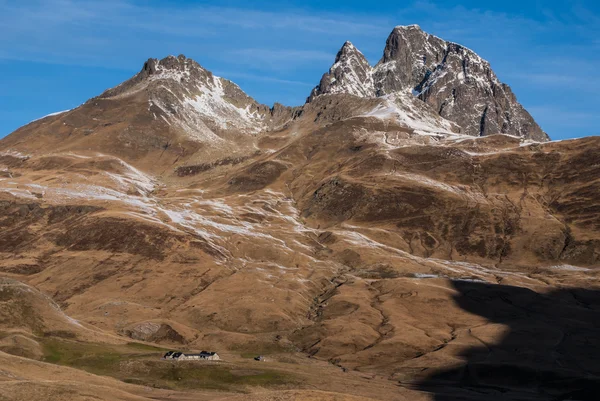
column 458, row 84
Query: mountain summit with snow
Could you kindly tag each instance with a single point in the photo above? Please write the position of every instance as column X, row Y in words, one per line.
column 181, row 92
column 458, row 84
column 351, row 73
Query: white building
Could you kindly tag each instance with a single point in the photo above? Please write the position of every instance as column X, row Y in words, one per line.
column 180, row 356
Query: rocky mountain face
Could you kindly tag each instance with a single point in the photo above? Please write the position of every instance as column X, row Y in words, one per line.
column 365, row 243
column 458, row 84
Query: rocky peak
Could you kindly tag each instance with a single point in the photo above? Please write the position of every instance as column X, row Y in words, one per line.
column 403, row 41
column 408, row 54
column 351, row 73
column 171, row 62
column 348, row 50
column 180, row 69
column 185, row 95
column 458, row 84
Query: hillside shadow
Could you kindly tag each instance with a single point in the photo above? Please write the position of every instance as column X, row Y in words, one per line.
column 550, row 352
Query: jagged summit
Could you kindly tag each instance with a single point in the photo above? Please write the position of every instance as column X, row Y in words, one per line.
column 351, row 73
column 457, row 83
column 411, row 26
column 348, row 45
column 348, row 50
column 170, row 67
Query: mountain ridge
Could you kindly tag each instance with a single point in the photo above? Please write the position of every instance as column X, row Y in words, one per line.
column 443, row 78
column 454, row 80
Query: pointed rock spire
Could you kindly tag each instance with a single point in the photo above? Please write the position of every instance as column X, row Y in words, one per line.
column 351, row 73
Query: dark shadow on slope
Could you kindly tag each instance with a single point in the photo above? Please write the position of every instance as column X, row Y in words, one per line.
column 551, row 352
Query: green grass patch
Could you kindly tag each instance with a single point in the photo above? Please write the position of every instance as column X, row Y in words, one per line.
column 95, row 358
column 141, row 364
column 191, row 375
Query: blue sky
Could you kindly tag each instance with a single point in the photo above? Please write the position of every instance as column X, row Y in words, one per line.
column 55, row 54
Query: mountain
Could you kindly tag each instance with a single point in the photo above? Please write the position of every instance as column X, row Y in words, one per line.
column 364, row 243
column 458, row 84
column 172, row 109
column 184, row 94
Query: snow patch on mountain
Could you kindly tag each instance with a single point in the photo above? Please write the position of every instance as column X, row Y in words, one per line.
column 211, row 103
column 411, row 113
column 351, row 73
column 50, row 115
column 15, row 154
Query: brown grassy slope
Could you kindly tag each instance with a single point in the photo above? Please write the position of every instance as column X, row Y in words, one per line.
column 343, row 241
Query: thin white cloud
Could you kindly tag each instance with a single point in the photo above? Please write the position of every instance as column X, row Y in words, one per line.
column 277, row 59
column 183, row 20
column 261, row 78
column 111, row 31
